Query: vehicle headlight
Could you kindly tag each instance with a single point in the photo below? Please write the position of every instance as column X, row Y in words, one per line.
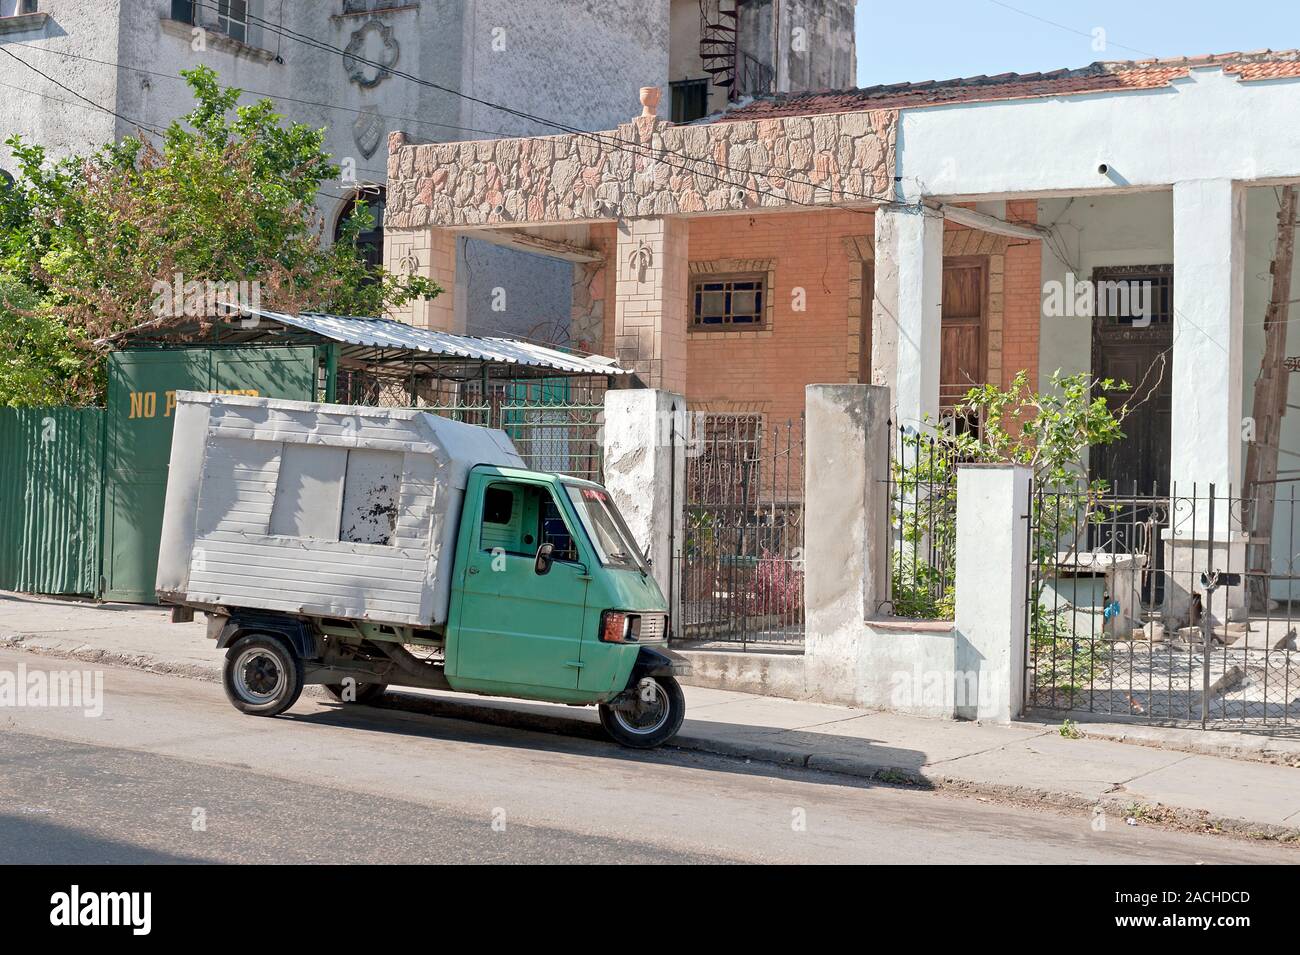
column 619, row 626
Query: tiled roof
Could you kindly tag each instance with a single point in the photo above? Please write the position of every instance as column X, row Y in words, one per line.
column 1098, row 77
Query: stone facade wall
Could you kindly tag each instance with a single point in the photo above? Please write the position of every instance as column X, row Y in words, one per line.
column 644, row 168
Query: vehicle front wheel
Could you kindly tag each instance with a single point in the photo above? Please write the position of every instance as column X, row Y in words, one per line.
column 262, row 675
column 362, row 693
column 652, row 715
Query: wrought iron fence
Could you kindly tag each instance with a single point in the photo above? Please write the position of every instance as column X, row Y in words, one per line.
column 555, row 424
column 1163, row 607
column 742, row 554
column 920, row 524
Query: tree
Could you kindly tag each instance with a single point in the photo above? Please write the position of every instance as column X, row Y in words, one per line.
column 41, row 361
column 226, row 197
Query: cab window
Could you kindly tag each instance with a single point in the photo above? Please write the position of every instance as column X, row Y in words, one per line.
column 519, row 518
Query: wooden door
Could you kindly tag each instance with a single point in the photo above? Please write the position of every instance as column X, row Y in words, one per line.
column 961, row 362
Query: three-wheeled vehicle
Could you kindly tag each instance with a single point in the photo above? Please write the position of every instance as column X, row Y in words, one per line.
column 361, row 548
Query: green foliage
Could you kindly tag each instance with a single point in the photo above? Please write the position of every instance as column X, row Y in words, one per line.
column 227, row 196
column 1063, row 663
column 1070, row 730
column 42, row 362
column 1048, row 432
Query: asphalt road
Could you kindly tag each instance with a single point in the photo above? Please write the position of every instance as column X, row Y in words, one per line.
column 170, row 772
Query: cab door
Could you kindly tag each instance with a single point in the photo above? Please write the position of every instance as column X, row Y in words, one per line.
column 517, row 628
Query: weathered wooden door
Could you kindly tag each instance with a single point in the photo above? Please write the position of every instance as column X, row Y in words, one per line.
column 1134, row 349
column 961, row 363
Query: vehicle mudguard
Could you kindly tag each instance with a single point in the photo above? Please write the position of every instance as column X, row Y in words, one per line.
column 657, row 661
column 297, row 633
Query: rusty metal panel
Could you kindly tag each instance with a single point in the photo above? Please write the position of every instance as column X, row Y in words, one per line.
column 51, row 465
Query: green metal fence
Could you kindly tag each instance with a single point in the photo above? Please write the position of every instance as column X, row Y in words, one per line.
column 51, row 462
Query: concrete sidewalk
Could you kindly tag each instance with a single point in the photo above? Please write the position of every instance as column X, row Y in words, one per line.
column 1024, row 761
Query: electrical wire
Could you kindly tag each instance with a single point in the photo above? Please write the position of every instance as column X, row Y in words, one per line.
column 603, row 139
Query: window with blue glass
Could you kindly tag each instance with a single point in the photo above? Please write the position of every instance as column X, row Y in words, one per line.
column 728, row 301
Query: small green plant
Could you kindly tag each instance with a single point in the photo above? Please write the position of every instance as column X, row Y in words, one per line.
column 1070, row 730
column 1050, row 432
column 1061, row 661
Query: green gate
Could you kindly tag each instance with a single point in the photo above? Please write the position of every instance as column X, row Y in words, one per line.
column 142, row 388
column 51, row 460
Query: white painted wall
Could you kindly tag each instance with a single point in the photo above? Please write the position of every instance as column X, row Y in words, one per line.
column 1206, row 126
column 39, row 111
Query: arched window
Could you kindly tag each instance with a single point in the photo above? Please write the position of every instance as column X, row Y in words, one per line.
column 370, row 242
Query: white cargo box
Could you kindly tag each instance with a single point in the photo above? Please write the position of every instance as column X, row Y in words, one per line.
column 328, row 510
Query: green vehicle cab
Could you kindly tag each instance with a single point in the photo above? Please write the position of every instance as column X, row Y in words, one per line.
column 550, row 599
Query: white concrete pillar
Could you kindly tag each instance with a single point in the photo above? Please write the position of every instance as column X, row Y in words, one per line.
column 645, row 454
column 845, row 554
column 1209, row 274
column 906, row 315
column 991, row 594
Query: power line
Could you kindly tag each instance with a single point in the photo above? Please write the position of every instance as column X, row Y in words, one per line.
column 603, row 139
column 84, row 99
column 276, row 96
column 91, row 104
column 1062, row 26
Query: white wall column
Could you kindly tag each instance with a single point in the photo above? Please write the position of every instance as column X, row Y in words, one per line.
column 845, row 573
column 907, row 310
column 645, row 454
column 1209, row 274
column 992, row 547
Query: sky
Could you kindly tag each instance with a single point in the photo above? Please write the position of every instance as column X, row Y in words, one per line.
column 942, row 39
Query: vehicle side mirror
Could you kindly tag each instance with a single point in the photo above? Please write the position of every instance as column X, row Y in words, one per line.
column 542, row 565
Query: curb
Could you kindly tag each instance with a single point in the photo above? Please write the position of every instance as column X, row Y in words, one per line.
column 497, row 715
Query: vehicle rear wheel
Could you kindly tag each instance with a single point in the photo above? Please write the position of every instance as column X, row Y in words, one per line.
column 363, row 692
column 262, row 675
column 652, row 717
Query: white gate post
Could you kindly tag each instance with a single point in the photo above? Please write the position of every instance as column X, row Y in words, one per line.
column 991, row 589
column 645, row 438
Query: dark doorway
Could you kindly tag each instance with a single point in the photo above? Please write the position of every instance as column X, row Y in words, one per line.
column 1132, row 330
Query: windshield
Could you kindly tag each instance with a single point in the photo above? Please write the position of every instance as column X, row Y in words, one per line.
column 604, row 525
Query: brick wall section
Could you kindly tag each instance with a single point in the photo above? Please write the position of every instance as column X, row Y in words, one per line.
column 1023, row 283
column 767, row 371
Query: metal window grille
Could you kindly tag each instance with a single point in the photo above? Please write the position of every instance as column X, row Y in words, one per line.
column 690, row 99
column 721, row 301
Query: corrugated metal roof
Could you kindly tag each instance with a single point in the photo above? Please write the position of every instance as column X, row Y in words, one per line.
column 387, row 333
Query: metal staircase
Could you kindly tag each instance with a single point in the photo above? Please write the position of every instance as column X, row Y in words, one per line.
column 718, row 42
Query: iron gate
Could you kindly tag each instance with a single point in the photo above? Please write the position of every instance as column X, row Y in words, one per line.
column 1146, row 606
column 742, row 552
